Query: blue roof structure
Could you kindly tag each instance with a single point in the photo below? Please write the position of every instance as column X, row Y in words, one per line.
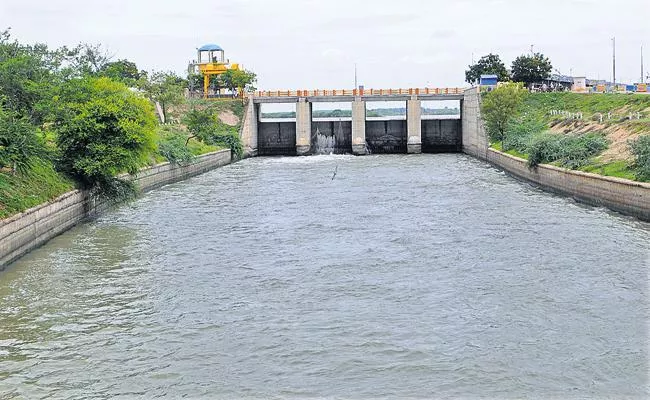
column 210, row 47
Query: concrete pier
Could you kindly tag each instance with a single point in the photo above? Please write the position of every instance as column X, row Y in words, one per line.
column 359, row 127
column 303, row 127
column 414, row 125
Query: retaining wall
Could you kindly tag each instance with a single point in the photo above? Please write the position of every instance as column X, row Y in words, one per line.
column 24, row 232
column 625, row 196
column 622, row 195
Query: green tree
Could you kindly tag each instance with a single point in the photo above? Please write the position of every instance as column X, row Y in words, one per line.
column 25, row 81
column 531, row 69
column 487, row 65
column 499, row 107
column 103, row 129
column 88, row 59
column 235, row 80
column 205, row 125
column 124, row 71
column 20, row 144
column 165, row 88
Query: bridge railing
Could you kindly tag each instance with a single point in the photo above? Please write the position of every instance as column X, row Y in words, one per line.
column 358, row 92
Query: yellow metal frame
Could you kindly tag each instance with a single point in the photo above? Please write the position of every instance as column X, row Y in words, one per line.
column 214, row 69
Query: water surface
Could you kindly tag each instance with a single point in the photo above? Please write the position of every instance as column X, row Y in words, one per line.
column 432, row 276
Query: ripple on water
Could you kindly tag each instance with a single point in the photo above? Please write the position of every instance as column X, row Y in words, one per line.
column 404, row 277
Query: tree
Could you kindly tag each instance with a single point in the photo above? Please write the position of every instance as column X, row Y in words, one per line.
column 531, row 69
column 103, row 129
column 20, row 143
column 236, row 80
column 487, row 65
column 166, row 88
column 25, row 81
column 205, row 125
column 500, row 106
column 124, row 71
column 88, row 59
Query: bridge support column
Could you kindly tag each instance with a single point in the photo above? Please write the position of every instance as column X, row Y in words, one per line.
column 359, row 146
column 414, row 125
column 249, row 130
column 303, row 127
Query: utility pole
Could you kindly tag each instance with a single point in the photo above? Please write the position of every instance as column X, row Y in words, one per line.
column 614, row 61
column 642, row 76
column 532, row 49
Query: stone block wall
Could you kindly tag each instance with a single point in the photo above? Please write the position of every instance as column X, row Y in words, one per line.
column 625, row 196
column 26, row 231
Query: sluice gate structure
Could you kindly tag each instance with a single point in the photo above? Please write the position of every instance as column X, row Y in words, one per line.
column 357, row 134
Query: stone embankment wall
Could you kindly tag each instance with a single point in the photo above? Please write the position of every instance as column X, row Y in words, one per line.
column 625, row 196
column 622, row 195
column 25, row 231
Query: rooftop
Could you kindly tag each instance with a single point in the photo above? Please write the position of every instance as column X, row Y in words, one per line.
column 210, row 47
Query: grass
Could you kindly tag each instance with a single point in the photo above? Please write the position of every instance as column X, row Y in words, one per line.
column 589, row 104
column 21, row 192
column 513, row 152
column 618, row 169
column 43, row 183
column 528, row 134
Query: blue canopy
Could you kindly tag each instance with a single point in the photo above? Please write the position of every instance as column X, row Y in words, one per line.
column 211, row 47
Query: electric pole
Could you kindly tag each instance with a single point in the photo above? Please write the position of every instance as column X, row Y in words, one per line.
column 614, row 61
column 355, row 76
column 642, row 76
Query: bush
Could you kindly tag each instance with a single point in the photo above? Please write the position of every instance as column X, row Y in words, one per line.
column 520, row 131
column 570, row 151
column 173, row 148
column 205, row 126
column 103, row 130
column 20, row 143
column 641, row 150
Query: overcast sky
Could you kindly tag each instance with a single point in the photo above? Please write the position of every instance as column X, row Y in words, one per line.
column 315, row 43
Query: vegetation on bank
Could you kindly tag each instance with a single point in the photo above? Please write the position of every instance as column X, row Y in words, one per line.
column 71, row 117
column 575, row 131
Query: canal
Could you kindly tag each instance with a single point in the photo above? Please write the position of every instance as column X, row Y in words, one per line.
column 429, row 276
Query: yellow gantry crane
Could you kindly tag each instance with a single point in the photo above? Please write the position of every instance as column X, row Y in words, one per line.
column 211, row 61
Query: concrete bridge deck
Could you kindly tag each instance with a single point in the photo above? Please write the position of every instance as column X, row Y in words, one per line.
column 345, row 95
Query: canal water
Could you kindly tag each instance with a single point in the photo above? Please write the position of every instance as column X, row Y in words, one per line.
column 432, row 276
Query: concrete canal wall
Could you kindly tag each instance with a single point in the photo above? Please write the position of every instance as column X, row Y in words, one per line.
column 622, row 195
column 26, row 231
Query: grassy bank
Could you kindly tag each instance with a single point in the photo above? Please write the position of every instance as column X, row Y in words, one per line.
column 42, row 182
column 589, row 132
column 39, row 185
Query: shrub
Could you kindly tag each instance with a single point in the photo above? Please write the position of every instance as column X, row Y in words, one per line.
column 20, row 143
column 641, row 150
column 570, row 151
column 173, row 148
column 520, row 131
column 103, row 129
column 206, row 126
